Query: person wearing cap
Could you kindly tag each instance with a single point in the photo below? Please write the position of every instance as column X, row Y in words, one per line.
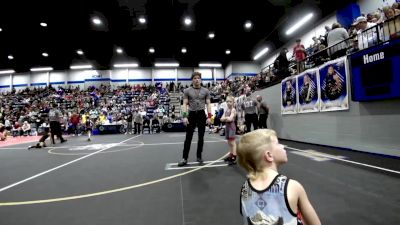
column 194, row 100
column 362, row 24
column 365, row 40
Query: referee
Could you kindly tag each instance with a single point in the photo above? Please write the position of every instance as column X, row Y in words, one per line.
column 55, row 126
column 196, row 97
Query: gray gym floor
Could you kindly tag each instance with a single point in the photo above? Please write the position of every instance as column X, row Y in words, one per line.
column 129, row 179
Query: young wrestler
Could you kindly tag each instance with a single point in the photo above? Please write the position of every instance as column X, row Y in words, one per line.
column 230, row 129
column 42, row 143
column 268, row 197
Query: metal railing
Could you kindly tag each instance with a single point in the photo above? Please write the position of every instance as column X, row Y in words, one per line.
column 381, row 33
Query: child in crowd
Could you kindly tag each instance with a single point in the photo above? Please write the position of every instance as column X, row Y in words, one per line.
column 268, row 197
column 89, row 127
column 230, row 129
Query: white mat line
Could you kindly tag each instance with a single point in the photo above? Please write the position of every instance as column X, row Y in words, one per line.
column 345, row 160
column 58, row 167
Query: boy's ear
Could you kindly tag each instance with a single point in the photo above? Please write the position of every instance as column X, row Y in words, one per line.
column 268, row 156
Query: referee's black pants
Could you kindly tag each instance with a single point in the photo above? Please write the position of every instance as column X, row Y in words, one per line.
column 55, row 128
column 195, row 118
column 251, row 119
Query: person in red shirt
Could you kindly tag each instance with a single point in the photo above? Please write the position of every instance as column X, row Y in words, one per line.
column 299, row 53
column 75, row 120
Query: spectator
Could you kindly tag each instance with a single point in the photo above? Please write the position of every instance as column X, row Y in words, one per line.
column 281, row 64
column 26, row 128
column 3, row 133
column 365, row 40
column 390, row 13
column 336, row 41
column 299, row 53
column 16, row 129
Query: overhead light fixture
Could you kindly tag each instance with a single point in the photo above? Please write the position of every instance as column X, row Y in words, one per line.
column 7, row 71
column 248, row 25
column 299, row 24
column 80, row 67
column 151, row 50
column 43, row 24
column 142, row 20
column 126, row 65
column 10, row 57
column 37, row 69
column 96, row 21
column 119, row 50
column 44, row 54
column 211, row 35
column 228, row 52
column 210, row 65
column 79, row 52
column 187, row 21
column 261, row 53
column 184, row 50
column 1, row 30
column 166, row 64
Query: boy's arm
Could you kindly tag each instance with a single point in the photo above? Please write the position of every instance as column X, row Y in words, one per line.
column 304, row 205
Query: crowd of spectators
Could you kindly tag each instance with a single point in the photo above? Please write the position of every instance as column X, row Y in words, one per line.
column 25, row 112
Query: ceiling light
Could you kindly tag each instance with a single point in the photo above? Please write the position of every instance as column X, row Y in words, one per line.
column 119, row 50
column 210, row 65
column 44, row 54
column 96, row 21
column 151, row 50
column 10, row 57
column 126, row 65
column 43, row 24
column 41, row 69
column 261, row 53
column 79, row 67
column 166, row 64
column 7, row 71
column 1, row 30
column 299, row 24
column 188, row 21
column 184, row 50
column 248, row 25
column 228, row 52
column 211, row 35
column 79, row 52
column 142, row 20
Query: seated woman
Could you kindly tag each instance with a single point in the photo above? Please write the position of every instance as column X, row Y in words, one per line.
column 26, row 128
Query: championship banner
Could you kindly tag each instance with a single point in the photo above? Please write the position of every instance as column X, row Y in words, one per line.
column 333, row 85
column 308, row 94
column 289, row 98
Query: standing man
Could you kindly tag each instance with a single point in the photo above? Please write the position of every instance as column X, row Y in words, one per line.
column 263, row 111
column 195, row 97
column 55, row 126
column 249, row 107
